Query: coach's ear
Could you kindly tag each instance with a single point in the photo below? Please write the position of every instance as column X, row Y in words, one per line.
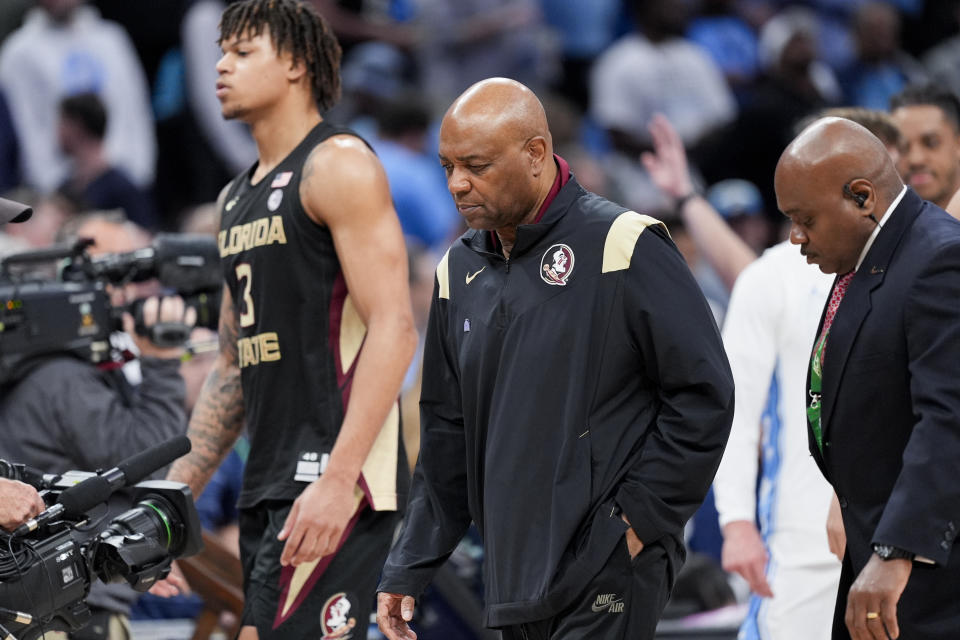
column 537, row 153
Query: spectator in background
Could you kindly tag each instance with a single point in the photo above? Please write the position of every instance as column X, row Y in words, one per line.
column 92, row 182
column 881, row 68
column 468, row 40
column 655, row 70
column 929, row 120
column 729, row 40
column 230, row 140
column 794, row 85
column 373, row 74
column 64, row 48
column 585, row 30
column 357, row 21
column 417, row 183
column 942, row 62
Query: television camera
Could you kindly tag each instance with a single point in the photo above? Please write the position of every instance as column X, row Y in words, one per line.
column 57, row 300
column 48, row 563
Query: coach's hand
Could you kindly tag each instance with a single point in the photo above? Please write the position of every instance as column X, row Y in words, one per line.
column 876, row 592
column 634, row 543
column 394, row 611
column 317, row 519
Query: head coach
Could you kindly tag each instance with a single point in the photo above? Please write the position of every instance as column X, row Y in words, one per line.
column 576, row 396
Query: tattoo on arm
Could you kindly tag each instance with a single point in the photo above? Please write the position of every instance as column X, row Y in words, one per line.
column 217, row 418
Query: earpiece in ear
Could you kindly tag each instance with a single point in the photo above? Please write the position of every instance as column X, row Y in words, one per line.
column 859, row 198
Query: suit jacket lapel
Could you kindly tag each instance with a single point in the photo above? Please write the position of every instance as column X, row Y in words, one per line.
column 856, row 304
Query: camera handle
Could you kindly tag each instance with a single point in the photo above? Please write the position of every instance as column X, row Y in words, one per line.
column 166, row 334
column 163, row 334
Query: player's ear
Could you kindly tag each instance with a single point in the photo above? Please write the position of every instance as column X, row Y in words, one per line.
column 296, row 69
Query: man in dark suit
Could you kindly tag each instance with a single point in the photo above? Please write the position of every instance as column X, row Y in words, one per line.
column 883, row 404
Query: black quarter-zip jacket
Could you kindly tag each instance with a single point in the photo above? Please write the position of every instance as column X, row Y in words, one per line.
column 580, row 379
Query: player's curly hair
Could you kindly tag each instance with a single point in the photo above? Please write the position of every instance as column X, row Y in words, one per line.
column 294, row 27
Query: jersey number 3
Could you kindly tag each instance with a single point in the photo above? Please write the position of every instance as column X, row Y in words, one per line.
column 245, row 278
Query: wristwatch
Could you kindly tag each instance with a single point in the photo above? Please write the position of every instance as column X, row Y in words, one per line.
column 890, row 552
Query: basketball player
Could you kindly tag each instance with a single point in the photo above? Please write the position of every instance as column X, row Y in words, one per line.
column 316, row 332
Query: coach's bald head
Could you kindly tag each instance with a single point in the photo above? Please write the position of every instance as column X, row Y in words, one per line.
column 496, row 148
column 834, row 181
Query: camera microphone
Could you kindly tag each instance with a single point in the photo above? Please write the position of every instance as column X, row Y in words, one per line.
column 85, row 495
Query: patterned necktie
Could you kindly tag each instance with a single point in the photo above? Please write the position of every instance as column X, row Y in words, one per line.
column 816, row 368
column 835, row 298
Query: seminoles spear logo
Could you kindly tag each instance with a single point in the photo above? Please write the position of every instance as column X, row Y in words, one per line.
column 556, row 265
column 335, row 622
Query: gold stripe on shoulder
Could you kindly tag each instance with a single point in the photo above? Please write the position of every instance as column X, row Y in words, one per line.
column 622, row 239
column 443, row 276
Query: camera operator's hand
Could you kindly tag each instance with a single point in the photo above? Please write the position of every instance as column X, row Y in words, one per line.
column 18, row 503
column 173, row 585
column 160, row 309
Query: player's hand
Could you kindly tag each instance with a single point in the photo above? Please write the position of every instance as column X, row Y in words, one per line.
column 667, row 164
column 836, row 534
column 173, row 585
column 160, row 309
column 394, row 611
column 744, row 552
column 634, row 543
column 877, row 590
column 18, row 503
column 317, row 520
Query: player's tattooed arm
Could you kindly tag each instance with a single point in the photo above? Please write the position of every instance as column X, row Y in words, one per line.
column 217, row 418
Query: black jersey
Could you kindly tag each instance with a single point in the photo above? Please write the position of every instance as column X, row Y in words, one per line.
column 299, row 337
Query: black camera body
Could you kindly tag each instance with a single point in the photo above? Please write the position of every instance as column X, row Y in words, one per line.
column 44, row 583
column 55, row 301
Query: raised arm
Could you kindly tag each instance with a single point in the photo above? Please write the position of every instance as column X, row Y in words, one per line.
column 668, row 169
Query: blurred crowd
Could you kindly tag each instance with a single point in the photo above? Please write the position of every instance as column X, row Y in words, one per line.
column 108, row 104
